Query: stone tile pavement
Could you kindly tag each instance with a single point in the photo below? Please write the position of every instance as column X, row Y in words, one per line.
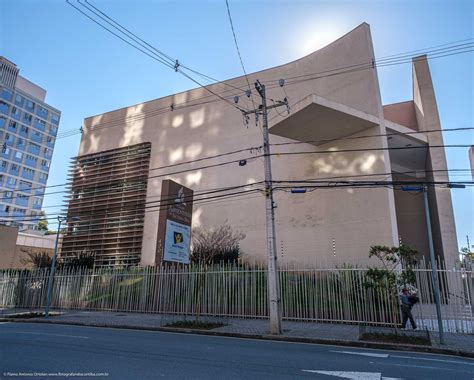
column 256, row 328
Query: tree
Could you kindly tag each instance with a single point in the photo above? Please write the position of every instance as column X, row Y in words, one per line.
column 37, row 259
column 467, row 257
column 83, row 259
column 43, row 224
column 396, row 272
column 214, row 245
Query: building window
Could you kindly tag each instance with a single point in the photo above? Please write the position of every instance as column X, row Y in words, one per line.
column 45, row 163
column 27, row 117
column 20, row 142
column 24, row 129
column 25, row 185
column 18, row 99
column 11, row 181
column 28, row 170
column 55, row 119
column 7, row 94
column 39, row 121
column 7, row 208
column 18, row 155
column 49, row 140
column 30, row 105
column 15, row 112
column 12, row 124
column 37, row 202
column 4, row 164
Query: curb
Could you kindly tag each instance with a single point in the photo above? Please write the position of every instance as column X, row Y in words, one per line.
column 277, row 338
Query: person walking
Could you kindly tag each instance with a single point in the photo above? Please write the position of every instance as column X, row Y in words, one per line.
column 406, row 303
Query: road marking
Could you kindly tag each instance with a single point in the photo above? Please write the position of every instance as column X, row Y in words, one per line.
column 415, row 366
column 374, row 355
column 349, row 374
column 37, row 333
column 433, row 360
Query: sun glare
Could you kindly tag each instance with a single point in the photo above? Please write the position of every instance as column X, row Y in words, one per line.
column 315, row 38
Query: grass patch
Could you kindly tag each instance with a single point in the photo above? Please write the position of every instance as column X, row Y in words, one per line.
column 394, row 338
column 195, row 325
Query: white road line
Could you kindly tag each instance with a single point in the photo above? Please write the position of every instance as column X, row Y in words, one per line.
column 414, row 366
column 433, row 360
column 371, row 354
column 37, row 333
column 348, row 374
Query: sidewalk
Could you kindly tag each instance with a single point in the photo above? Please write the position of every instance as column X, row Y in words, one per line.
column 323, row 333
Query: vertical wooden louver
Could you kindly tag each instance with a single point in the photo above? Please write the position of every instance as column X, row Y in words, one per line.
column 106, row 205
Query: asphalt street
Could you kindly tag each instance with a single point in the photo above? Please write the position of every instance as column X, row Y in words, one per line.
column 53, row 351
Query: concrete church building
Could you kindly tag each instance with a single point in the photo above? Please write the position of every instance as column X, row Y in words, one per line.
column 336, row 106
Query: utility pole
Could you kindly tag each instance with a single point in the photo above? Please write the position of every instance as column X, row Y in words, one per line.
column 273, row 277
column 434, row 270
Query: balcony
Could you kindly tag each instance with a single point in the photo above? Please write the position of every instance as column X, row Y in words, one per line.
column 13, row 127
column 14, row 172
column 16, row 115
column 10, row 185
column 41, row 112
column 33, row 150
column 27, row 119
column 26, row 174
column 31, row 163
column 37, row 137
column 18, row 214
column 4, row 108
column 40, row 126
column 24, row 188
column 6, row 94
column 21, row 201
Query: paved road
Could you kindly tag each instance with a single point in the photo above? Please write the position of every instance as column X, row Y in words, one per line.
column 27, row 348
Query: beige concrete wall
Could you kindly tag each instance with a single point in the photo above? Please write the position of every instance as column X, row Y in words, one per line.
column 306, row 224
column 411, row 220
column 8, row 237
column 401, row 113
column 14, row 248
column 441, row 208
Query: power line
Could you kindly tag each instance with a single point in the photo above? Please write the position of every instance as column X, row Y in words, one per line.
column 150, row 52
column 308, row 185
column 133, row 188
column 253, row 157
column 376, row 135
column 240, row 55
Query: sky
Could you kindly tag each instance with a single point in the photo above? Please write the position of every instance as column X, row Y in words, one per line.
column 87, row 71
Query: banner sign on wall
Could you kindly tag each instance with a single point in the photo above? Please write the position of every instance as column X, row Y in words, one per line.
column 177, row 241
column 174, row 223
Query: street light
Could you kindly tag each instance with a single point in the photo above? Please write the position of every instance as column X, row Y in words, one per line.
column 53, row 265
column 434, row 276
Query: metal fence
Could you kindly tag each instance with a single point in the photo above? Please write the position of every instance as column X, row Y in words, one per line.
column 332, row 295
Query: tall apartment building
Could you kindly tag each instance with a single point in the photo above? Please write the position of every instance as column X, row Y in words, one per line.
column 28, row 128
